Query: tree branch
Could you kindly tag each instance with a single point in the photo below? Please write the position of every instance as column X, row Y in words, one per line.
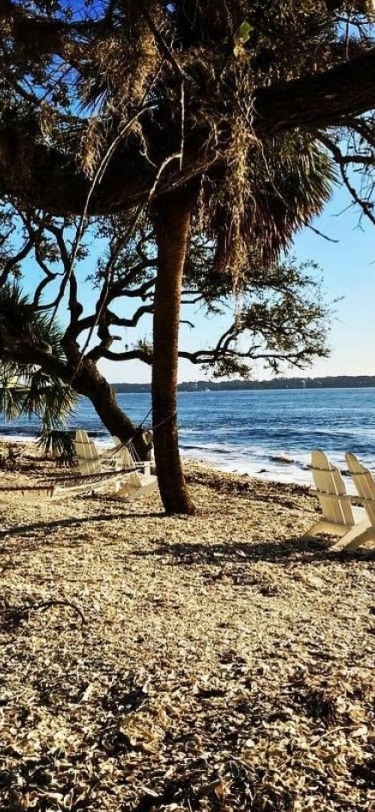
column 318, row 100
column 128, row 355
column 365, row 205
column 12, row 261
column 134, row 320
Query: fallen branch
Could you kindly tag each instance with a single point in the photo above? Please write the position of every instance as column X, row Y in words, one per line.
column 47, row 605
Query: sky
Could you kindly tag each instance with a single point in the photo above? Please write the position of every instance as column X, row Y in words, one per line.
column 348, row 270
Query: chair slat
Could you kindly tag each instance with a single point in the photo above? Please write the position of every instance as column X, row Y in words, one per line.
column 331, row 491
column 364, row 483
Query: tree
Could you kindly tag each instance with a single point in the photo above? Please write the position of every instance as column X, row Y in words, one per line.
column 224, row 108
column 59, row 355
column 280, row 316
column 277, row 309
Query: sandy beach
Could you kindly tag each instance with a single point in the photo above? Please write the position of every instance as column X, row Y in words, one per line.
column 216, row 662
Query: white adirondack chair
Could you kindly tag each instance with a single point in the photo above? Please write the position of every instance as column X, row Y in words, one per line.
column 365, row 486
column 338, row 518
column 86, row 452
column 89, row 459
column 141, row 481
column 129, row 456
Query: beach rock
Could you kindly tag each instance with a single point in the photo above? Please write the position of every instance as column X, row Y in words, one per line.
column 282, row 458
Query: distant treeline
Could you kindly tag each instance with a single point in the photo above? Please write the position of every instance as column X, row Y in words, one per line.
column 334, row 382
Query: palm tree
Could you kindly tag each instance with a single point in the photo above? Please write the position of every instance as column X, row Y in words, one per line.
column 25, row 389
column 31, row 393
column 254, row 192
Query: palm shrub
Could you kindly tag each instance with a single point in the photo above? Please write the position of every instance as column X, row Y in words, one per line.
column 25, row 388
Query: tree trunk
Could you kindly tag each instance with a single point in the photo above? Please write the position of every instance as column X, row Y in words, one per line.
column 95, row 387
column 172, row 221
column 102, row 396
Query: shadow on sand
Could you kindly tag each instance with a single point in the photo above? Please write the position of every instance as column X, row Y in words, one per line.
column 294, row 549
column 288, row 550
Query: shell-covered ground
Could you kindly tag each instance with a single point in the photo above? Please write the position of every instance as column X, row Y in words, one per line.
column 156, row 664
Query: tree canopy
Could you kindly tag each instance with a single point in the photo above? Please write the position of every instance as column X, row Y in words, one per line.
column 276, row 314
column 147, row 95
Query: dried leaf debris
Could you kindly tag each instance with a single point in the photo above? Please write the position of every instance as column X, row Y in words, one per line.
column 153, row 664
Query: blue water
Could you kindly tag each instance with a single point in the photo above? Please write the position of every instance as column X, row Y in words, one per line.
column 245, row 431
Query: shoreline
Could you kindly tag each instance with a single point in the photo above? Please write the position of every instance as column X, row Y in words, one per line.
column 189, row 462
column 268, row 438
column 289, row 471
column 286, row 470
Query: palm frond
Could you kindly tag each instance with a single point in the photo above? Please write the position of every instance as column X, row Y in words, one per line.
column 59, row 444
column 25, row 389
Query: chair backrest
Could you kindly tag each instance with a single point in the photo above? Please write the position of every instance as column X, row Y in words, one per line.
column 331, row 491
column 364, row 483
column 86, row 452
column 129, row 457
column 124, row 453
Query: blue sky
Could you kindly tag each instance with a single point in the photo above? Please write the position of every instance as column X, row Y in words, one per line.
column 348, row 269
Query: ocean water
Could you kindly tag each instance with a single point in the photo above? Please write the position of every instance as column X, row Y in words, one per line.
column 268, row 433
